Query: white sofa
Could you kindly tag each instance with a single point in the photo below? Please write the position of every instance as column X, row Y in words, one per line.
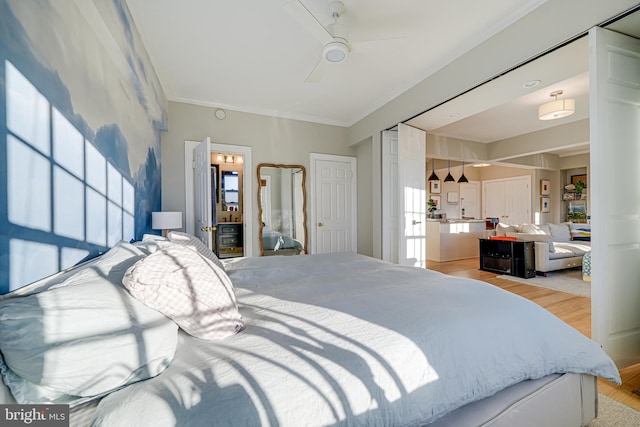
column 557, row 246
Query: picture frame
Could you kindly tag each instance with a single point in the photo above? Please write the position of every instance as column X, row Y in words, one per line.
column 576, row 178
column 545, row 204
column 434, row 186
column 437, row 200
column 545, row 187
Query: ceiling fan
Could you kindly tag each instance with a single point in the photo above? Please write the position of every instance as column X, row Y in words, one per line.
column 336, row 45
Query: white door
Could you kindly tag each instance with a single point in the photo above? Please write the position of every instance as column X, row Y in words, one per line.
column 202, row 163
column 614, row 70
column 470, row 200
column 412, row 196
column 508, row 199
column 334, row 202
column 390, row 228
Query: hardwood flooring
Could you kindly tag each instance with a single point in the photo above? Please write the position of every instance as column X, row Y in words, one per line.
column 573, row 309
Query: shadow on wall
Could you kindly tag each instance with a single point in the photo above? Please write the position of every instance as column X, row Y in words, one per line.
column 67, row 192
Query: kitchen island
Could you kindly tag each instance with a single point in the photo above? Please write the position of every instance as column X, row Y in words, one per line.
column 452, row 239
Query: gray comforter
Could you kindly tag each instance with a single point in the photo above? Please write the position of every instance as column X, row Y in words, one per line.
column 343, row 339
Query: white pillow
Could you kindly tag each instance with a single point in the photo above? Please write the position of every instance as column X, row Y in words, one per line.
column 70, row 344
column 534, row 229
column 189, row 288
column 545, row 238
column 560, row 232
column 503, row 229
column 192, row 242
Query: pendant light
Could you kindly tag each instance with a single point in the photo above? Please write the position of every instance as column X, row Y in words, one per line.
column 463, row 179
column 449, row 177
column 433, row 176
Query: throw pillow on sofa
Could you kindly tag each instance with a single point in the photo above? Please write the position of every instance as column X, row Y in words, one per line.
column 560, row 232
column 503, row 229
column 544, row 238
column 580, row 232
column 535, row 229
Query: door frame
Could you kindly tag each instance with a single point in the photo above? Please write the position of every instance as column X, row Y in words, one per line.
column 247, row 188
column 314, row 157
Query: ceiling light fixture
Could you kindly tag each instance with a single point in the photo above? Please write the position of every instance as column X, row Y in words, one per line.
column 463, row 179
column 433, row 176
column 480, row 165
column 449, row 177
column 558, row 108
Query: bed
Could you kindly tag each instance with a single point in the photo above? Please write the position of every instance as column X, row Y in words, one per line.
column 333, row 339
column 276, row 243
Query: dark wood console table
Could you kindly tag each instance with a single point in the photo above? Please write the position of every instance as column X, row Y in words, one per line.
column 515, row 258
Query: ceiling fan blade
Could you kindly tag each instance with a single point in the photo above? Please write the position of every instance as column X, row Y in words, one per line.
column 301, row 14
column 315, row 76
column 376, row 46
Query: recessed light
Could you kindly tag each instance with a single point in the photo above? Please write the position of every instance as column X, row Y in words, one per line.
column 452, row 115
column 531, row 83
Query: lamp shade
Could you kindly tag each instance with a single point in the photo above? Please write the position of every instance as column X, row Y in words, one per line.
column 166, row 220
column 557, row 109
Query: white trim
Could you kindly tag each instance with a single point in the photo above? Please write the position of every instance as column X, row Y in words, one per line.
column 189, row 195
column 247, row 188
column 314, row 157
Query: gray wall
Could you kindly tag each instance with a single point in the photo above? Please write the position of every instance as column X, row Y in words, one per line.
column 273, row 140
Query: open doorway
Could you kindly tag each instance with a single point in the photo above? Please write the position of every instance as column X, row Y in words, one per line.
column 245, row 199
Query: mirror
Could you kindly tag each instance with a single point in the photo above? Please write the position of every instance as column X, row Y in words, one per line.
column 282, row 209
column 230, row 191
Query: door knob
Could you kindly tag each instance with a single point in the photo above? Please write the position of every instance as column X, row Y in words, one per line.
column 206, row 229
column 414, row 222
column 320, row 224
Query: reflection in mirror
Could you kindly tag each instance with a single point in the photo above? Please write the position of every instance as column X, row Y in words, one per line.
column 230, row 191
column 282, row 209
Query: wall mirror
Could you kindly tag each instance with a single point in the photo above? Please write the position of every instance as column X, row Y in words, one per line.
column 282, row 209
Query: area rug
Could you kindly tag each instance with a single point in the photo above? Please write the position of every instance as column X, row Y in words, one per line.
column 568, row 280
column 612, row 413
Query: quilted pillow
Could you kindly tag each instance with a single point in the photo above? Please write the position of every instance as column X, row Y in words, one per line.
column 192, row 242
column 188, row 288
column 72, row 343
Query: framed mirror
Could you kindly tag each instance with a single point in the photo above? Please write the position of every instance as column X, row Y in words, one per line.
column 282, row 209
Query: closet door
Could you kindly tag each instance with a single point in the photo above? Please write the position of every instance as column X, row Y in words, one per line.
column 508, row 199
column 614, row 72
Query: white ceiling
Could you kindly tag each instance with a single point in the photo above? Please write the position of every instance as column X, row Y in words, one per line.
column 253, row 56
column 505, row 107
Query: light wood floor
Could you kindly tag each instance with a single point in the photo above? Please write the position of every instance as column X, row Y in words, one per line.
column 574, row 310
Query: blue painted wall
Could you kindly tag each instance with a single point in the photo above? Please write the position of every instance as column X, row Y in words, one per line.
column 80, row 122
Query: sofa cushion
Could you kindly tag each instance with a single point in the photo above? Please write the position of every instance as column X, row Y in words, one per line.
column 577, row 249
column 544, row 238
column 503, row 229
column 560, row 232
column 535, row 229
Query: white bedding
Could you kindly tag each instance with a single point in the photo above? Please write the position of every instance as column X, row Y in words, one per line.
column 343, row 339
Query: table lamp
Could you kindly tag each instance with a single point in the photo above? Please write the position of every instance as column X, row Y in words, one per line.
column 166, row 221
